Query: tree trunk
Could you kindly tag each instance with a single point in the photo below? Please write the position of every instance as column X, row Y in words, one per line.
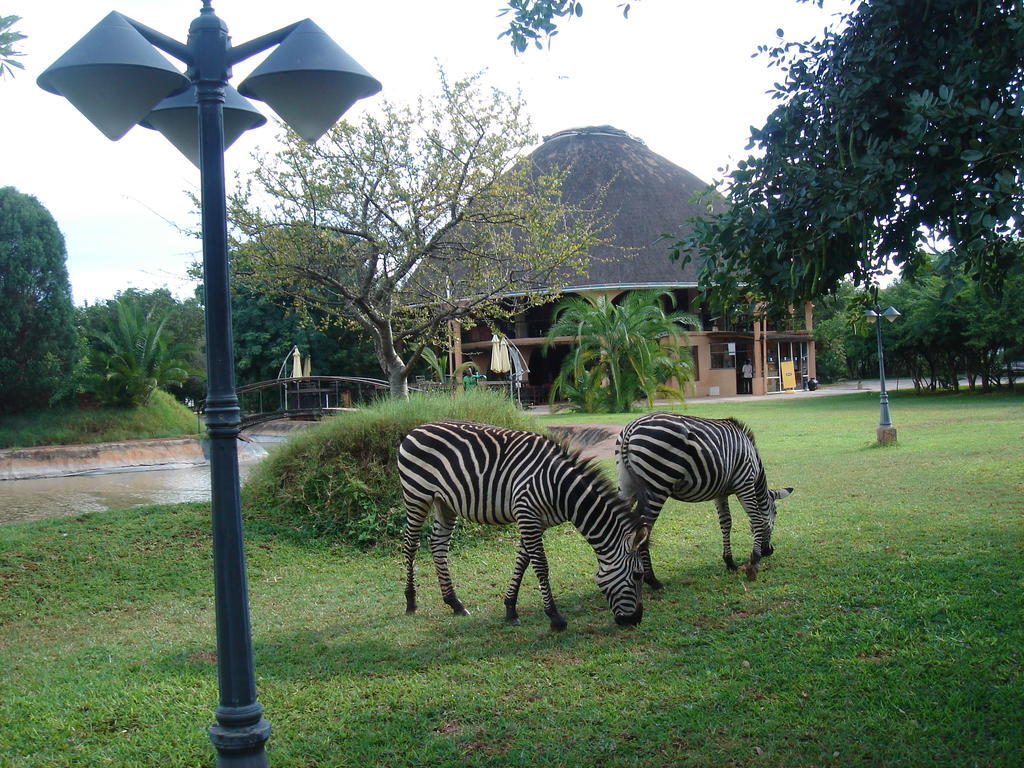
column 390, row 361
column 398, row 380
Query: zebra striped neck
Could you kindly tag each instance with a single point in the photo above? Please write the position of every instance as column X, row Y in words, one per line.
column 592, row 506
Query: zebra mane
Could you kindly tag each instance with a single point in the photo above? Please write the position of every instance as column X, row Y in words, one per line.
column 596, row 476
column 743, row 428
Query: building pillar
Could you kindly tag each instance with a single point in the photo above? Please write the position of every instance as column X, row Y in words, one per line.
column 812, row 361
column 759, row 384
column 808, row 316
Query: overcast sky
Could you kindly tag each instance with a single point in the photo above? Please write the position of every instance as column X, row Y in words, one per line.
column 677, row 74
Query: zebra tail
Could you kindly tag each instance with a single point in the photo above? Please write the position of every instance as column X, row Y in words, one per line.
column 642, row 509
column 642, row 504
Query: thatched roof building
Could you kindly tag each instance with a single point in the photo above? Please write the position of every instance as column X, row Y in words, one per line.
column 645, row 198
column 647, row 203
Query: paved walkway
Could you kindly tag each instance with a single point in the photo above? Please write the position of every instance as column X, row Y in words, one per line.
column 597, row 441
column 841, row 388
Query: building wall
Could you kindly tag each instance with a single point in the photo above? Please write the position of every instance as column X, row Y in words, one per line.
column 753, row 345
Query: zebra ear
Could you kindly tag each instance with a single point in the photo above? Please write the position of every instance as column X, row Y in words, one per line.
column 643, row 535
column 780, row 493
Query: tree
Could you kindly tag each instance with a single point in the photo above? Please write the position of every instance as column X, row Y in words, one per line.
column 185, row 325
column 951, row 328
column 898, row 133
column 37, row 333
column 619, row 356
column 836, row 319
column 532, row 19
column 417, row 217
column 8, row 37
column 132, row 355
column 265, row 332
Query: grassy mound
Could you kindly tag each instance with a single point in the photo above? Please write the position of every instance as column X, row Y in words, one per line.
column 340, row 479
column 163, row 416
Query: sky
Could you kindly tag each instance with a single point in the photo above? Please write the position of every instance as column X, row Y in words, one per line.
column 677, row 74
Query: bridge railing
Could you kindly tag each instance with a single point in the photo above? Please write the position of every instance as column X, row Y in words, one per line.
column 302, row 397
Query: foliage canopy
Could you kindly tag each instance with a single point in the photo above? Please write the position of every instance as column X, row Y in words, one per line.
column 533, row 19
column 8, row 37
column 37, row 333
column 418, row 216
column 264, row 333
column 949, row 328
column 131, row 355
column 898, row 132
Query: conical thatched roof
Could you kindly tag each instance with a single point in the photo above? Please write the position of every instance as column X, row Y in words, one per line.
column 646, row 197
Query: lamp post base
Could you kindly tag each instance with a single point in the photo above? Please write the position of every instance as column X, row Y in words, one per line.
column 886, row 435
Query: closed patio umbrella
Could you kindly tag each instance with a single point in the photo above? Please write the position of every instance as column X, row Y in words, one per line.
column 296, row 363
column 499, row 355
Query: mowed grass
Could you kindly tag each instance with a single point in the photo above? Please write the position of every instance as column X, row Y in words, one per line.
column 886, row 630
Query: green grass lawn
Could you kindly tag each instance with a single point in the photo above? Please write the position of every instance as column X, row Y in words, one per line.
column 163, row 416
column 886, row 630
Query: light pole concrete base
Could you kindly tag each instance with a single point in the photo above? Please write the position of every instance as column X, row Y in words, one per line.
column 886, row 435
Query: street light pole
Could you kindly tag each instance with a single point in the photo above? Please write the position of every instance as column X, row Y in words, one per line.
column 241, row 730
column 310, row 82
column 886, row 433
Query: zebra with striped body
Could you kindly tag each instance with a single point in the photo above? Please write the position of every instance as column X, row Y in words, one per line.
column 492, row 475
column 662, row 455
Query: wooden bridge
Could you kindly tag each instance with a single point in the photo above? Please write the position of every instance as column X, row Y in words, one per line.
column 303, row 398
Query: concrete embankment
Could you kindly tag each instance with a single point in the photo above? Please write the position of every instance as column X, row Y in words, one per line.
column 594, row 441
column 127, row 455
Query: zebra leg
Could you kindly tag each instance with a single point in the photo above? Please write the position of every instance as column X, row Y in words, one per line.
column 512, row 593
column 725, row 523
column 759, row 532
column 649, row 507
column 645, row 557
column 440, row 538
column 531, row 537
column 414, row 517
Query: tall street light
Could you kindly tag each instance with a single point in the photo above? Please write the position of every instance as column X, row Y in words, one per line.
column 886, row 433
column 117, row 79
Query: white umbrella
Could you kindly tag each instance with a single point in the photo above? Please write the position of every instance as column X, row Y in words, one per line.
column 307, row 365
column 296, row 363
column 499, row 355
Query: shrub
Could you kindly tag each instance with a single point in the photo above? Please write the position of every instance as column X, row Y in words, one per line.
column 37, row 331
column 339, row 480
column 130, row 356
column 163, row 416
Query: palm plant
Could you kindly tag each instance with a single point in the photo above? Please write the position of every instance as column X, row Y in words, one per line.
column 131, row 356
column 620, row 355
column 8, row 37
column 438, row 365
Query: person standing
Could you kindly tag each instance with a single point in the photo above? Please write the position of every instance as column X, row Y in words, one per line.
column 748, row 377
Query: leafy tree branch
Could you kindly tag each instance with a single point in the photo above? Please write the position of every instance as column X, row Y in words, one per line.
column 417, row 217
column 900, row 127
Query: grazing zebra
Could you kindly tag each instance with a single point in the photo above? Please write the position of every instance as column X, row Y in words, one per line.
column 662, row 455
column 491, row 475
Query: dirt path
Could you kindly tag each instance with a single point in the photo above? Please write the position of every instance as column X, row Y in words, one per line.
column 595, row 441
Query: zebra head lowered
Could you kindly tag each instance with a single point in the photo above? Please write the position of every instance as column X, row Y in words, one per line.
column 492, row 475
column 665, row 455
column 620, row 573
column 774, row 494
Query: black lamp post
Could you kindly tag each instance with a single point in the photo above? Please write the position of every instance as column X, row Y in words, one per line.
column 116, row 78
column 886, row 432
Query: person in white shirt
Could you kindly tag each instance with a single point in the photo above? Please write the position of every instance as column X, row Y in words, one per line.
column 748, row 377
